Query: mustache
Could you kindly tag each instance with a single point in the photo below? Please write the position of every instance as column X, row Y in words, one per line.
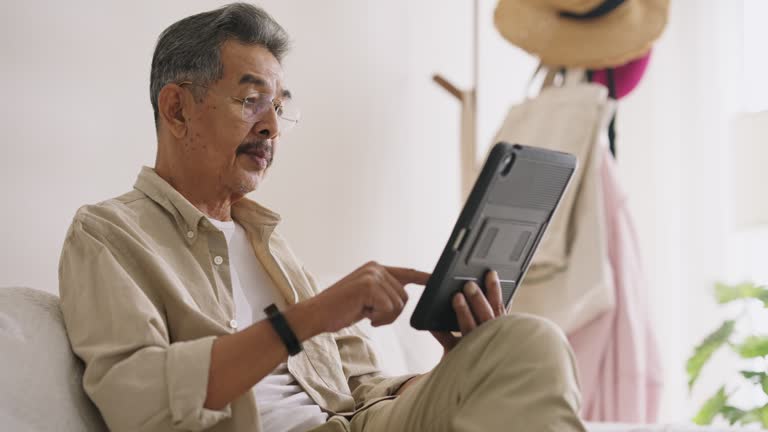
column 260, row 147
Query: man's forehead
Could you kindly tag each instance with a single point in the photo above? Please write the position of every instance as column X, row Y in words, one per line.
column 251, row 65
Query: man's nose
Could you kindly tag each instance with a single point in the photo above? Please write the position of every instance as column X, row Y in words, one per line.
column 268, row 126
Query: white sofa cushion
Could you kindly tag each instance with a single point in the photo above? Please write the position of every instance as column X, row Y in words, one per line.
column 609, row 427
column 40, row 378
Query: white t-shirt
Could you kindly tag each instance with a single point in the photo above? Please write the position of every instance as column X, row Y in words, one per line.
column 284, row 406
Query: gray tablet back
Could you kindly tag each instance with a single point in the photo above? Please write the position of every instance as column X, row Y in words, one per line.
column 502, row 222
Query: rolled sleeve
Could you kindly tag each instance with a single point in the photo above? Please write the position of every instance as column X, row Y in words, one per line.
column 187, row 368
column 371, row 387
column 361, row 367
column 138, row 379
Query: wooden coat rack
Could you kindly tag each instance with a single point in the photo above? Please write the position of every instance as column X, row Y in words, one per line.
column 468, row 100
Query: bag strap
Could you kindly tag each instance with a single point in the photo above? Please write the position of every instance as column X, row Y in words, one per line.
column 612, row 125
column 611, row 78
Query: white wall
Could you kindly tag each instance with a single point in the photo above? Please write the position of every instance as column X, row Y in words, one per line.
column 372, row 171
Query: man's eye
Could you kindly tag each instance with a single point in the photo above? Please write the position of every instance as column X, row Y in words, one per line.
column 251, row 100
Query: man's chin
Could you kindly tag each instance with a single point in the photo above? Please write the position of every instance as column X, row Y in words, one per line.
column 250, row 181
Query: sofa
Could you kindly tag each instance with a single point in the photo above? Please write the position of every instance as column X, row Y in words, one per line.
column 41, row 379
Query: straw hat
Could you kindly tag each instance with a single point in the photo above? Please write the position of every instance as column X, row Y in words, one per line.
column 582, row 33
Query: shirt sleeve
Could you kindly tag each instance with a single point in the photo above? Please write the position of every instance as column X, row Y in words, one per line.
column 361, row 366
column 135, row 376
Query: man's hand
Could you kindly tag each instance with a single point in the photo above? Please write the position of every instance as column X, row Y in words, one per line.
column 473, row 308
column 372, row 291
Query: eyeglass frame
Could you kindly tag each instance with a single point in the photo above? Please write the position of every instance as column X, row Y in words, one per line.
column 276, row 104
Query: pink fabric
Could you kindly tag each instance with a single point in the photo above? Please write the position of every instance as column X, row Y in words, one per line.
column 625, row 77
column 616, row 354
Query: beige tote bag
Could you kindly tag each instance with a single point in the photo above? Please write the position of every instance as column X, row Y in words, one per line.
column 570, row 280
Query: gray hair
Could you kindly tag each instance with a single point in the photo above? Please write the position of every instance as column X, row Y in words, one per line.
column 190, row 49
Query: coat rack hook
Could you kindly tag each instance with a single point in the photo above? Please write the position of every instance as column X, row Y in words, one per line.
column 448, row 86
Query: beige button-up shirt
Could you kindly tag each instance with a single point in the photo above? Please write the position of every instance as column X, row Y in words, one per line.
column 144, row 297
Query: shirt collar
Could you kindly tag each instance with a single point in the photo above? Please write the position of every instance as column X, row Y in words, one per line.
column 254, row 217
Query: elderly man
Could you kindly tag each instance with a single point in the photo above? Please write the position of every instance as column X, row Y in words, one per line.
column 191, row 313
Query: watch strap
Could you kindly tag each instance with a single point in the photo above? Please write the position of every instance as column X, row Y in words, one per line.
column 280, row 324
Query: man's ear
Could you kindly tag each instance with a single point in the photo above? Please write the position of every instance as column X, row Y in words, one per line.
column 171, row 106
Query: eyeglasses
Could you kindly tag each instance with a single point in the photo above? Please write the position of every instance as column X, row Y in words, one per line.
column 256, row 105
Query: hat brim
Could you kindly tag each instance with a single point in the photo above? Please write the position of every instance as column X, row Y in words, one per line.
column 611, row 40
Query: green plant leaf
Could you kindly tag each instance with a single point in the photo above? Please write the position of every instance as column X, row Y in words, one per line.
column 755, row 415
column 732, row 414
column 753, row 346
column 725, row 293
column 713, row 406
column 703, row 352
column 757, row 378
column 751, row 375
column 752, row 416
column 764, row 415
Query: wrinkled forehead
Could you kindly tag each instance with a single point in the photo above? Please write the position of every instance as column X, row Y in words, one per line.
column 251, row 68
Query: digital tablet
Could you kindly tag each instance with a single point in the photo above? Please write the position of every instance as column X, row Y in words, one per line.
column 499, row 228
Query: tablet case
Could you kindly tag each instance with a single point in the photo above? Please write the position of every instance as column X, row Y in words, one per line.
column 499, row 228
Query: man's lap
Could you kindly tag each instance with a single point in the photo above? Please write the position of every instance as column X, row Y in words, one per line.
column 505, row 371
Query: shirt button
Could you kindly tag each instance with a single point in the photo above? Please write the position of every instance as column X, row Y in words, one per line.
column 218, row 260
column 190, row 234
column 232, row 324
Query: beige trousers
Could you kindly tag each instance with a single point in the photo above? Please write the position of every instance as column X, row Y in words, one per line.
column 515, row 373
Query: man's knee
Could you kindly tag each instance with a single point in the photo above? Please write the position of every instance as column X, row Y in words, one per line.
column 521, row 328
column 517, row 338
column 533, row 337
column 523, row 354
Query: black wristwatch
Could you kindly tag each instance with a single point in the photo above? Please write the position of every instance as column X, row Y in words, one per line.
column 283, row 329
